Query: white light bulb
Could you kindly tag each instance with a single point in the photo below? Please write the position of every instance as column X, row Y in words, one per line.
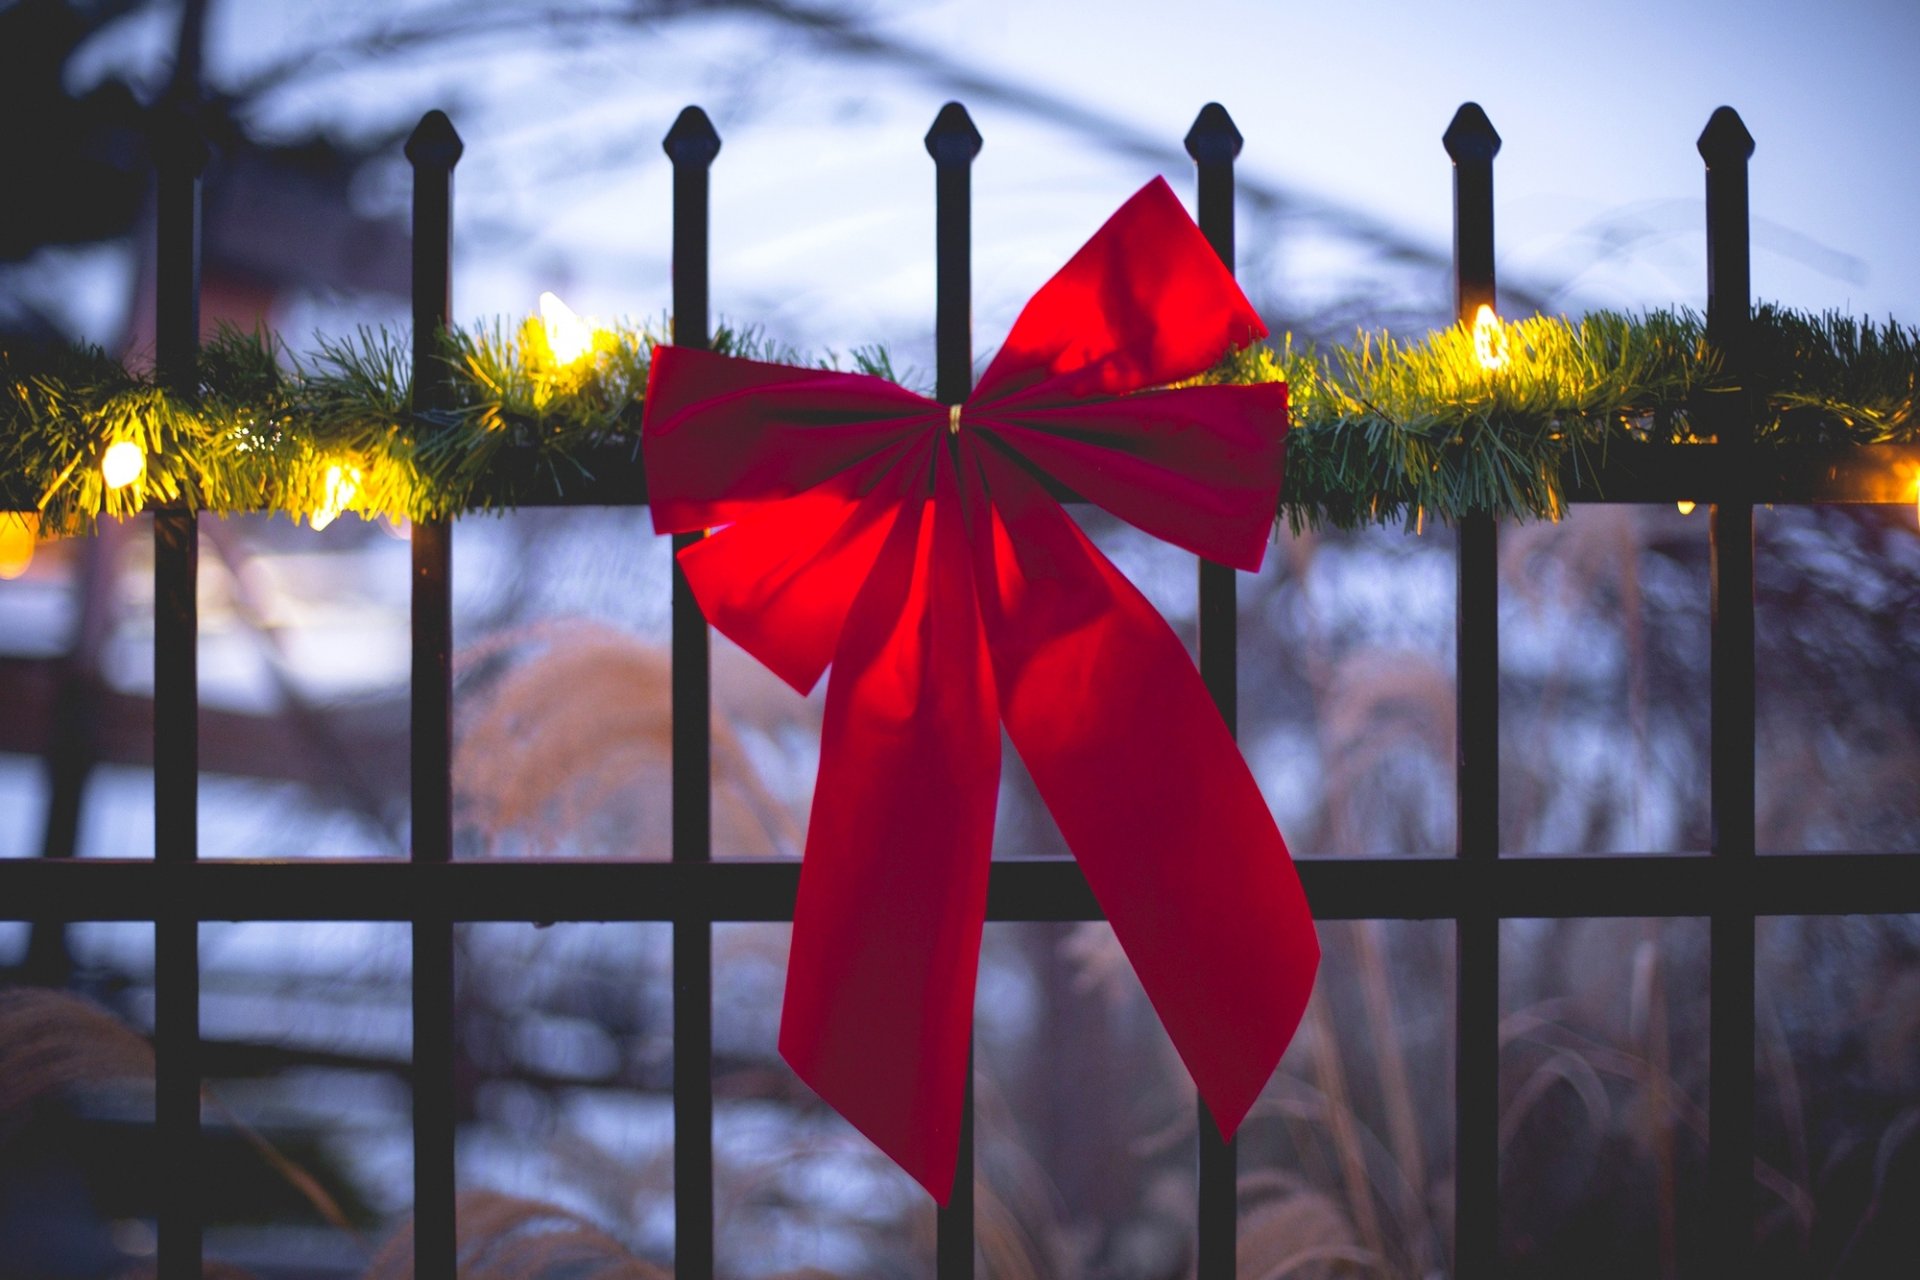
column 122, row 464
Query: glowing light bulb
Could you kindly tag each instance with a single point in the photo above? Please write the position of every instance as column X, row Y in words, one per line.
column 343, row 486
column 568, row 336
column 19, row 532
column 1686, row 507
column 1489, row 339
column 122, row 464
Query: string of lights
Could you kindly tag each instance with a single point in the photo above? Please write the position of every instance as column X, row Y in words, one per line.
column 1491, row 416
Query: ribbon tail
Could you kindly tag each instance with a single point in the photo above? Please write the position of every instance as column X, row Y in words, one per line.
column 1134, row 762
column 886, row 933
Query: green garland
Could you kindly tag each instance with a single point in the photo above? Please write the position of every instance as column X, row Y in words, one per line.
column 1383, row 431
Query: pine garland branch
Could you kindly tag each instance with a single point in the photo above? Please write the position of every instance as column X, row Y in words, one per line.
column 1390, row 432
column 1383, row 430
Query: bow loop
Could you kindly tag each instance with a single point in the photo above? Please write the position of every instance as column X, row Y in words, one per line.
column 727, row 436
column 1145, row 302
column 1199, row 467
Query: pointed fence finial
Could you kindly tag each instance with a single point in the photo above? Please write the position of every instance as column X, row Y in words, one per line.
column 953, row 139
column 433, row 143
column 1213, row 137
column 1725, row 139
column 693, row 139
column 1471, row 135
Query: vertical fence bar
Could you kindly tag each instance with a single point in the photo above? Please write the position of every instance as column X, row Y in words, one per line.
column 1472, row 143
column 433, row 150
column 180, row 156
column 71, row 750
column 691, row 145
column 953, row 142
column 1214, row 143
column 1726, row 145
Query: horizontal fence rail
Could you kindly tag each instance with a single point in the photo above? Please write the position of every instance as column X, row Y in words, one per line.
column 1729, row 886
column 612, row 475
column 552, row 890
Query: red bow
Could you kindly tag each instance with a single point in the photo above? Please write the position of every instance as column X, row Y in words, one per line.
column 914, row 548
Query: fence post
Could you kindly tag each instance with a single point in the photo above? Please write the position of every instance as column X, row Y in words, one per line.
column 433, row 150
column 1472, row 143
column 691, row 145
column 180, row 156
column 1214, row 143
column 1725, row 146
column 953, row 142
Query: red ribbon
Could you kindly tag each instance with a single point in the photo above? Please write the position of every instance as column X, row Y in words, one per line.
column 921, row 555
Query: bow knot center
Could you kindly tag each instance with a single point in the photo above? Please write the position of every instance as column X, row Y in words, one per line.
column 953, row 419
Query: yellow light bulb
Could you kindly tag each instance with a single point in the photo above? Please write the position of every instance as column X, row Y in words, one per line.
column 122, row 464
column 568, row 336
column 1686, row 507
column 1489, row 339
column 19, row 532
column 343, row 486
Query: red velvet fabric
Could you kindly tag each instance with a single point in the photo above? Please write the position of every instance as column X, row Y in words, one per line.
column 952, row 594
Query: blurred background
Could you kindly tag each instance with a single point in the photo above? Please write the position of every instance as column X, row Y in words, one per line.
column 822, row 228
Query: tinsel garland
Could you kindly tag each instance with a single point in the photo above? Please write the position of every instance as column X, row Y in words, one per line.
column 1383, row 431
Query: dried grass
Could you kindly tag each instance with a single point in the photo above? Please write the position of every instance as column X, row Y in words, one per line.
column 53, row 1041
column 1303, row 1235
column 502, row 1237
column 208, row 1271
column 569, row 748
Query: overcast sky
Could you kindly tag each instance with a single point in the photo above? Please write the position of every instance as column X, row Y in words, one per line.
column 823, row 193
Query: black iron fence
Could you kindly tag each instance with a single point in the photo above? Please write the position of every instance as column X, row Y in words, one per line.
column 1477, row 889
